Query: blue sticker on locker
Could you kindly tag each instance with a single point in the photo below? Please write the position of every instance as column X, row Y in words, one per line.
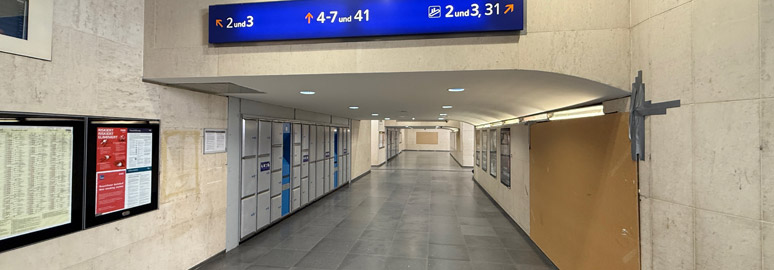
column 265, row 166
column 327, row 154
column 306, row 158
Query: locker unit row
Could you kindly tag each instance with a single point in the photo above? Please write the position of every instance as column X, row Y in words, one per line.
column 286, row 166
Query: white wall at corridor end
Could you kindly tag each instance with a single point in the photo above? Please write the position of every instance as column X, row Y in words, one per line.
column 465, row 149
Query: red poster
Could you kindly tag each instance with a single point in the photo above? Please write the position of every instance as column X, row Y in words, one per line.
column 111, row 149
column 110, row 191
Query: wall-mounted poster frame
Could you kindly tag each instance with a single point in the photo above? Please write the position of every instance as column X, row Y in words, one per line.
column 39, row 27
column 493, row 152
column 381, row 139
column 122, row 170
column 46, row 149
column 484, row 151
column 505, row 157
column 478, row 148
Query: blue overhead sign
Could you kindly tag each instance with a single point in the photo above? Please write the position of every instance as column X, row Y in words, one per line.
column 319, row 19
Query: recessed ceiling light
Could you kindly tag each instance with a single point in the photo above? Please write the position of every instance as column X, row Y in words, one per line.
column 443, row 114
column 354, row 107
column 374, row 114
column 447, row 106
column 308, row 92
column 387, row 118
column 441, row 118
column 456, row 89
column 412, row 118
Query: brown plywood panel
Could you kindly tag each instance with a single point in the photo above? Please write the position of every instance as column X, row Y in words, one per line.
column 583, row 199
column 427, row 137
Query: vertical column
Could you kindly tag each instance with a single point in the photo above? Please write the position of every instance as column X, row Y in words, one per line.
column 296, row 168
column 276, row 170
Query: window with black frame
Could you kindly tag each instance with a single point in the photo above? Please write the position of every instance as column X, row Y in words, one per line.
column 493, row 152
column 505, row 157
column 14, row 18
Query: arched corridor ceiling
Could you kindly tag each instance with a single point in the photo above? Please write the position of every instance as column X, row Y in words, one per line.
column 490, row 95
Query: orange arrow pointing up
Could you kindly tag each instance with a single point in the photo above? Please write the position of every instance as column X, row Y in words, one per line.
column 309, row 18
column 219, row 23
column 509, row 8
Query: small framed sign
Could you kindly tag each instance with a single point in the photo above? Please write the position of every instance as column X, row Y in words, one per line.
column 214, row 141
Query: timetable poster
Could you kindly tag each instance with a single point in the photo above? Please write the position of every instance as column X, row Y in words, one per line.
column 124, row 168
column 35, row 178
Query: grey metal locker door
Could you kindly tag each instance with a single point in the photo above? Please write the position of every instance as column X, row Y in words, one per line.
column 320, row 179
column 305, row 137
column 276, row 183
column 264, row 138
column 304, row 191
column 296, row 133
column 276, row 134
column 247, row 221
column 249, row 138
column 263, row 210
column 296, row 176
column 312, row 181
column 296, row 199
column 320, row 143
column 264, row 173
column 276, row 208
column 249, row 176
column 276, row 157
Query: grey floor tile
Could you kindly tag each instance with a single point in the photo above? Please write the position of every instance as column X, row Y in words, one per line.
column 261, row 267
column 322, row 260
column 371, row 247
column 416, row 236
column 398, row 263
column 363, row 262
column 483, row 241
column 478, row 230
column 409, row 249
column 377, row 235
column 448, row 252
column 493, row 266
column 489, row 255
column 299, row 243
column 517, row 242
column 281, row 258
column 435, row 264
column 447, row 239
column 333, row 245
column 345, row 233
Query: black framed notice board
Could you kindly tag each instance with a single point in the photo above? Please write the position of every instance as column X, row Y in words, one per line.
column 62, row 174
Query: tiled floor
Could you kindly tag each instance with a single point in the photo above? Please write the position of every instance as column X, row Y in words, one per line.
column 420, row 211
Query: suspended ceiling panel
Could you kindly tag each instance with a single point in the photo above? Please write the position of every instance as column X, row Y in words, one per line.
column 490, row 95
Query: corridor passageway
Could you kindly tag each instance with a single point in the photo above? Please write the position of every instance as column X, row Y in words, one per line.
column 419, row 211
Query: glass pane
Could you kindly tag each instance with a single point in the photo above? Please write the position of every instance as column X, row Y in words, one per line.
column 13, row 18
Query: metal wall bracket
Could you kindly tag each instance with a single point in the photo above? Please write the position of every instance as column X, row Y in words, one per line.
column 639, row 110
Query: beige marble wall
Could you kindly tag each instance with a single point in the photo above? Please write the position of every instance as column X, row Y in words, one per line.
column 585, row 38
column 97, row 69
column 706, row 193
column 361, row 147
column 515, row 200
column 378, row 155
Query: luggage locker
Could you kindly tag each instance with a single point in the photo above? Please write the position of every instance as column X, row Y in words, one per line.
column 312, row 163
column 296, row 199
column 263, row 210
column 249, row 138
column 264, row 138
column 276, row 208
column 264, row 173
column 304, row 191
column 249, row 176
column 247, row 218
